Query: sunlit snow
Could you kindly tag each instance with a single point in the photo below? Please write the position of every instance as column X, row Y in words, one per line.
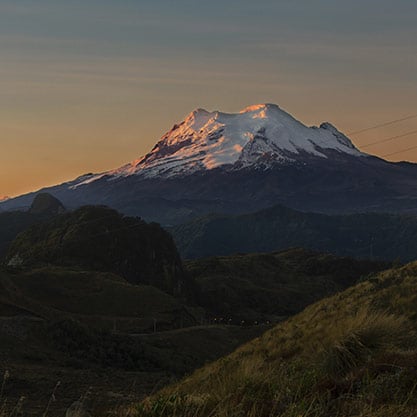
column 207, row 140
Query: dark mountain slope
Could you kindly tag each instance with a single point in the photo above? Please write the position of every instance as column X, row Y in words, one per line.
column 341, row 185
column 46, row 204
column 383, row 236
column 353, row 354
column 243, row 162
column 93, row 331
column 272, row 286
column 98, row 299
column 43, row 207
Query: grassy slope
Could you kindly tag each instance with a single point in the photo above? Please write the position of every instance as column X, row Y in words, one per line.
column 181, row 351
column 353, row 354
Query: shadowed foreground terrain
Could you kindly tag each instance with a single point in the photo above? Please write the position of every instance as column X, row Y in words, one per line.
column 93, row 329
column 262, row 287
column 353, row 354
column 99, row 306
column 43, row 208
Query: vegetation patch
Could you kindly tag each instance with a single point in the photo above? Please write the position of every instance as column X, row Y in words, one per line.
column 353, row 354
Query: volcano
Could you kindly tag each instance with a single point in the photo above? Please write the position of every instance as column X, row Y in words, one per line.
column 243, row 162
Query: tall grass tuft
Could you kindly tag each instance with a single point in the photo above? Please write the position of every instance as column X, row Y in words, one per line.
column 367, row 334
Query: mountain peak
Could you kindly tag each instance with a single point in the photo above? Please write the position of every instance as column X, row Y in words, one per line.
column 196, row 119
column 199, row 111
column 260, row 135
column 339, row 136
column 261, row 106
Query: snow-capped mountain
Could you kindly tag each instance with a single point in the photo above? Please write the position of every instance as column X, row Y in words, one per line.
column 260, row 135
column 215, row 162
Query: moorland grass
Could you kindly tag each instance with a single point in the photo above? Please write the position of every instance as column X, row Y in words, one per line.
column 353, row 354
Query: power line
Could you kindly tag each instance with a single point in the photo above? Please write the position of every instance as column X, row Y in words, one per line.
column 397, row 152
column 389, row 139
column 375, row 127
column 357, row 132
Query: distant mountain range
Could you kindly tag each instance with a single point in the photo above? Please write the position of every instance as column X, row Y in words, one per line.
column 367, row 235
column 239, row 163
column 66, row 244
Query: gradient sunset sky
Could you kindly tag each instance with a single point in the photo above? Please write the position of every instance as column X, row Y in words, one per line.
column 88, row 85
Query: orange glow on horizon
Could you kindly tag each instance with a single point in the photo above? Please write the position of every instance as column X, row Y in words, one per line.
column 111, row 140
column 83, row 91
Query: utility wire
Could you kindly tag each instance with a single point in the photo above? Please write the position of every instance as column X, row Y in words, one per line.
column 377, row 126
column 357, row 132
column 389, row 139
column 397, row 152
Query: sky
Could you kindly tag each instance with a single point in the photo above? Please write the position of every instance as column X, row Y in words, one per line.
column 88, row 85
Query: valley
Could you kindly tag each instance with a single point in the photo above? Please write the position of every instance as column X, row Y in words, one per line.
column 83, row 297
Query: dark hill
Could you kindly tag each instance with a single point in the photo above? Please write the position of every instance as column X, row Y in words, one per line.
column 92, row 328
column 351, row 355
column 98, row 299
column 271, row 286
column 368, row 235
column 44, row 207
column 46, row 204
column 99, row 238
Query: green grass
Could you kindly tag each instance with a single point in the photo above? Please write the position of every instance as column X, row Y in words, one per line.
column 353, row 354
